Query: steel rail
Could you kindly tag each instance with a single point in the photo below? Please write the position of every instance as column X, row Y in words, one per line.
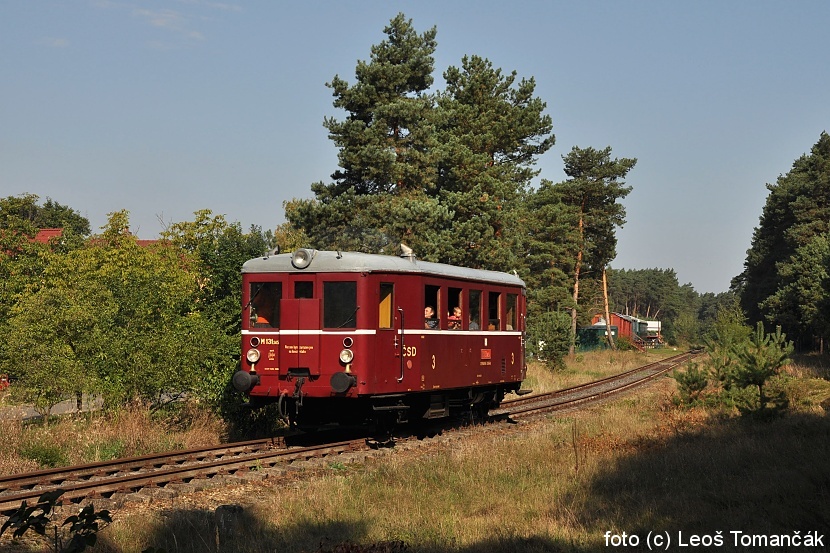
column 674, row 361
column 592, row 391
column 99, row 469
column 76, row 491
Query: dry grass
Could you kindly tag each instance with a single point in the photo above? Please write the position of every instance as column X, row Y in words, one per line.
column 555, row 485
column 27, row 446
column 635, row 465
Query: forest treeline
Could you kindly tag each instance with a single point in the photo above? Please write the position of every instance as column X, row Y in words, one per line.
column 447, row 171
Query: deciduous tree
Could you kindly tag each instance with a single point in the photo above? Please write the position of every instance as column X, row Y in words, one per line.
column 125, row 325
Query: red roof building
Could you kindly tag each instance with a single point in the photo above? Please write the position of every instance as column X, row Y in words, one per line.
column 45, row 234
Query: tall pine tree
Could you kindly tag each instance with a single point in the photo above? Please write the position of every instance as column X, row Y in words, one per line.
column 492, row 130
column 386, row 152
column 592, row 193
column 797, row 210
column 444, row 172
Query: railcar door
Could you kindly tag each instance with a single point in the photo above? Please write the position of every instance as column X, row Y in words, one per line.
column 388, row 368
column 300, row 333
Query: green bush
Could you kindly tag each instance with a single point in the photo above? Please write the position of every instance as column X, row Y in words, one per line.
column 691, row 384
column 549, row 336
column 46, row 455
column 105, row 451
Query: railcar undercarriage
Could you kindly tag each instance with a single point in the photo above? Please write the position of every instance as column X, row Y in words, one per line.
column 385, row 412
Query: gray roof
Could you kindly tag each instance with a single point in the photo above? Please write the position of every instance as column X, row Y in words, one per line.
column 354, row 262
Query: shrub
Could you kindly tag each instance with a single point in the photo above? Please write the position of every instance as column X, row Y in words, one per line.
column 73, row 536
column 45, row 455
column 691, row 383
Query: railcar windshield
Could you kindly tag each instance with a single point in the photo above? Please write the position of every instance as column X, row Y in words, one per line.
column 339, row 304
column 264, row 304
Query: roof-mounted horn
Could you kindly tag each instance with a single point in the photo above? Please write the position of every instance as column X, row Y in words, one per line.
column 406, row 252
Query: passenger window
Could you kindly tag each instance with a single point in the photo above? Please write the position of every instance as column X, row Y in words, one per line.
column 385, row 310
column 431, row 307
column 493, row 310
column 265, row 304
column 511, row 312
column 339, row 304
column 475, row 310
column 455, row 316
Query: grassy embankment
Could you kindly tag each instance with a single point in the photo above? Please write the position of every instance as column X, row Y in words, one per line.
column 635, row 465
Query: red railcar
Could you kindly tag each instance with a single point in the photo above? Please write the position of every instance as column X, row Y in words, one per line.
column 345, row 337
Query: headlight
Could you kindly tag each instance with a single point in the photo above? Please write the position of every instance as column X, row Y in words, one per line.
column 346, row 356
column 302, row 258
column 252, row 356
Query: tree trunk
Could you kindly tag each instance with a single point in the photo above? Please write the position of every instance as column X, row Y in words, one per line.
column 572, row 348
column 577, row 270
column 608, row 333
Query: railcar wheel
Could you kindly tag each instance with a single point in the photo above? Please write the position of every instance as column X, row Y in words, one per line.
column 384, row 428
column 479, row 413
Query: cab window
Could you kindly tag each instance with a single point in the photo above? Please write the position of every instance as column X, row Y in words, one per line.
column 265, row 304
column 303, row 290
column 339, row 304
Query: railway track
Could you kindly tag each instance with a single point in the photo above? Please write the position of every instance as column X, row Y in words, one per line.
column 124, row 476
column 110, row 479
column 590, row 392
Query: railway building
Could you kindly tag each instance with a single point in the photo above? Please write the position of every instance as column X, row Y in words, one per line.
column 644, row 334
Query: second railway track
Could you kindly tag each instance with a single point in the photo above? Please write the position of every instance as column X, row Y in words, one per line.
column 590, row 392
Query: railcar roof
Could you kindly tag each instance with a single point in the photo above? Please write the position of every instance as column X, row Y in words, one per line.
column 355, row 262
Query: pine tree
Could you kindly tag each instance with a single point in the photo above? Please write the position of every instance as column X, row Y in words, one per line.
column 445, row 172
column 591, row 194
column 761, row 358
column 492, row 129
column 385, row 142
column 802, row 301
column 386, row 153
column 797, row 210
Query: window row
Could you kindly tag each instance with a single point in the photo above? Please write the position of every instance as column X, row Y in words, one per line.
column 451, row 308
column 445, row 307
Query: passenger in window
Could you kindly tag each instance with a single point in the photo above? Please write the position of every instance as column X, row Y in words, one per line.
column 455, row 319
column 430, row 321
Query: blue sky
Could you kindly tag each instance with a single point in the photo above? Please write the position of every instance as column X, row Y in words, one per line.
column 165, row 107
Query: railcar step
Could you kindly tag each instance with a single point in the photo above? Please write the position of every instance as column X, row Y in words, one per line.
column 390, row 407
column 523, row 392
